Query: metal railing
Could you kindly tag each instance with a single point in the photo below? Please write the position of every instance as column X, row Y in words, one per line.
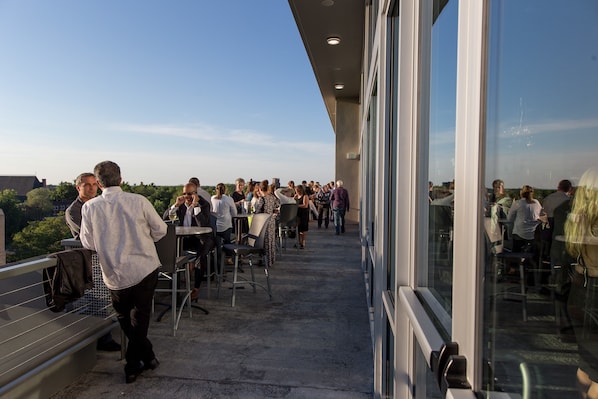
column 34, row 338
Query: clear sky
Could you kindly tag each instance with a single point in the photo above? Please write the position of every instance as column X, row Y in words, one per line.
column 167, row 89
column 542, row 120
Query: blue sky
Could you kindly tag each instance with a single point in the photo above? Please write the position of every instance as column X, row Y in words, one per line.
column 167, row 89
column 541, row 102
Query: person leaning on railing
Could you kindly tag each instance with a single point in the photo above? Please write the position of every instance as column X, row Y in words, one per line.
column 123, row 228
column 87, row 187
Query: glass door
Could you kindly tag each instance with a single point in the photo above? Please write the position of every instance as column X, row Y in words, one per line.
column 540, row 200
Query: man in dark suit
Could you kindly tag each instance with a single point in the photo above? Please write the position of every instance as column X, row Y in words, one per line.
column 193, row 210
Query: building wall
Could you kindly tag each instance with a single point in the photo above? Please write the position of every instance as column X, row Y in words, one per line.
column 470, row 106
column 347, row 142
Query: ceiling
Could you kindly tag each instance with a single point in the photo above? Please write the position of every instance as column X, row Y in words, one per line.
column 320, row 19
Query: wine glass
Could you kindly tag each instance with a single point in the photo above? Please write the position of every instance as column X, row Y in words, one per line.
column 172, row 215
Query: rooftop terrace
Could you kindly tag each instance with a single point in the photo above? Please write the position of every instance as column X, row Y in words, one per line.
column 312, row 340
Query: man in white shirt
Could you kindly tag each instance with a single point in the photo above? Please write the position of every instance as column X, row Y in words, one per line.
column 122, row 228
column 87, row 187
column 202, row 193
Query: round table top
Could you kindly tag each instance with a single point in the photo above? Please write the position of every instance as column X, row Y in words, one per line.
column 192, row 230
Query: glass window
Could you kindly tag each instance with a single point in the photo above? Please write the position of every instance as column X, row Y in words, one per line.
column 438, row 276
column 372, row 163
column 426, row 385
column 391, row 156
column 388, row 368
column 541, row 125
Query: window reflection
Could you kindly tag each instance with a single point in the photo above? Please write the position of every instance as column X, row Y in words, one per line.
column 540, row 134
column 442, row 152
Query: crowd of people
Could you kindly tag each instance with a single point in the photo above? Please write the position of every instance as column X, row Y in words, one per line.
column 563, row 229
column 123, row 227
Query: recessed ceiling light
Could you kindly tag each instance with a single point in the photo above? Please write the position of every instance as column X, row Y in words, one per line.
column 339, row 86
column 327, row 3
column 333, row 40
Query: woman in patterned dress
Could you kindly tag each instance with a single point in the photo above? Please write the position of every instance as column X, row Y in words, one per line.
column 268, row 203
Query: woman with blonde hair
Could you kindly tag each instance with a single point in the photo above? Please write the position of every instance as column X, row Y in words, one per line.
column 581, row 239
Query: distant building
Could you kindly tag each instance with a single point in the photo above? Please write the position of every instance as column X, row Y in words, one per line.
column 60, row 206
column 21, row 184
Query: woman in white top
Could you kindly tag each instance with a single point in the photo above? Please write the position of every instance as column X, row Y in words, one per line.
column 224, row 209
column 525, row 216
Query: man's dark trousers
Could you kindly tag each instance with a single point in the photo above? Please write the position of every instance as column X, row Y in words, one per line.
column 133, row 307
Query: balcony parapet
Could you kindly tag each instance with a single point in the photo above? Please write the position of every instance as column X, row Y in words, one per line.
column 42, row 351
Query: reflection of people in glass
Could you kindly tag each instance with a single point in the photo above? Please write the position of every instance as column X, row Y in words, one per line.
column 525, row 216
column 561, row 265
column 498, row 207
column 549, row 204
column 581, row 236
column 499, row 200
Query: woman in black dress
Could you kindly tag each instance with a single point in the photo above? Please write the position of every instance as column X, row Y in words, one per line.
column 302, row 214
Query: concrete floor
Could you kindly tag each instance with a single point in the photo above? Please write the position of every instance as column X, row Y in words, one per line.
column 312, row 340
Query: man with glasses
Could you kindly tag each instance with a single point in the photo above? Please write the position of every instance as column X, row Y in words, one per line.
column 193, row 210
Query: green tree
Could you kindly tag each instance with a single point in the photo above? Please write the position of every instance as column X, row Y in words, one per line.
column 147, row 190
column 13, row 216
column 40, row 237
column 64, row 192
column 38, row 204
column 164, row 196
column 126, row 187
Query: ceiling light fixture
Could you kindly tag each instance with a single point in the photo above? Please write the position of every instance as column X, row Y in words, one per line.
column 339, row 86
column 333, row 40
column 327, row 3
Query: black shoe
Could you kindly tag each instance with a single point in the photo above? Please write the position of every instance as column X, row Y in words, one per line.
column 110, row 346
column 132, row 372
column 151, row 365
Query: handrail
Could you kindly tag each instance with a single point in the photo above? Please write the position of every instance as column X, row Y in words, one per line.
column 19, row 269
column 36, row 339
